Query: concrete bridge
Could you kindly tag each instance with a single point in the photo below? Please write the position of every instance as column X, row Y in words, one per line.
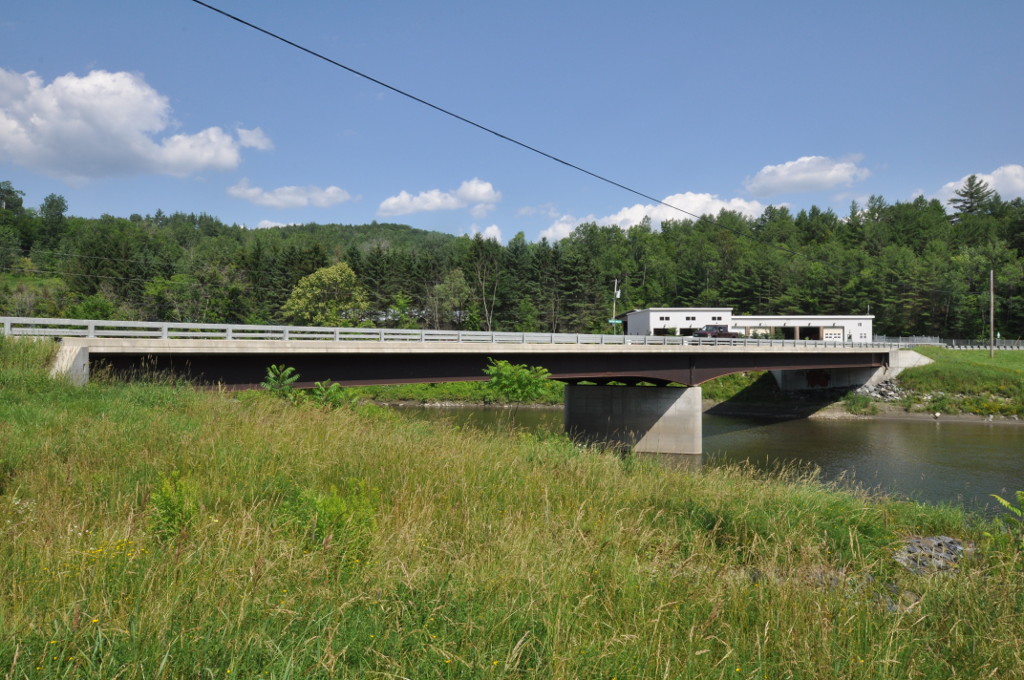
column 652, row 417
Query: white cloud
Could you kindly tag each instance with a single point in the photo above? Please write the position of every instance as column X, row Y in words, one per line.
column 492, row 233
column 547, row 209
column 254, row 139
column 808, row 173
column 1007, row 180
column 290, row 196
column 104, row 124
column 690, row 205
column 563, row 226
column 479, row 196
column 268, row 224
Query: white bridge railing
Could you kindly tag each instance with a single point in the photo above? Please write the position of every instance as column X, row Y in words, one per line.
column 162, row 330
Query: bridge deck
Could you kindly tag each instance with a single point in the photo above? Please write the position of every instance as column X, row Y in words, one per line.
column 243, row 363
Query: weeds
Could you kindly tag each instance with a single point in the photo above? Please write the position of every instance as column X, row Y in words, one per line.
column 1013, row 518
column 860, row 404
column 332, row 395
column 174, row 507
column 340, row 518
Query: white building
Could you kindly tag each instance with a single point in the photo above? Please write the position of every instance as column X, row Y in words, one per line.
column 686, row 320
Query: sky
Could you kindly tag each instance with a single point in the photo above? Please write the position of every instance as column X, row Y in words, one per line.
column 126, row 107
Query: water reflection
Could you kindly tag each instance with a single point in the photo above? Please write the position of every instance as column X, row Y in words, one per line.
column 931, row 461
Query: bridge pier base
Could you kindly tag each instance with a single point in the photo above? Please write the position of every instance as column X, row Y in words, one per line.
column 644, row 419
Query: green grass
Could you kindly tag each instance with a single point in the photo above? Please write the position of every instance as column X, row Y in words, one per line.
column 860, row 404
column 968, row 381
column 151, row 531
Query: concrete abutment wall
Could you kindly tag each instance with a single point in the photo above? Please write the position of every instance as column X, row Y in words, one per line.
column 828, row 378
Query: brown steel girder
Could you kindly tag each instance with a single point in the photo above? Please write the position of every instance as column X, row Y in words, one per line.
column 382, row 368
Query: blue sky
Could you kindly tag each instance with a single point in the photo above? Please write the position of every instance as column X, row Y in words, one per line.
column 129, row 107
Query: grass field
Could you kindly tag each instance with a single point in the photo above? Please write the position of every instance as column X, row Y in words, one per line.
column 968, row 381
column 150, row 531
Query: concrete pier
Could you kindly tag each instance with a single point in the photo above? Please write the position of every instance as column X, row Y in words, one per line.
column 645, row 419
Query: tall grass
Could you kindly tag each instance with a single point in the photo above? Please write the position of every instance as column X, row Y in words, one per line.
column 149, row 531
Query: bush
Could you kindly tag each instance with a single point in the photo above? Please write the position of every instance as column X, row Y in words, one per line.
column 174, row 507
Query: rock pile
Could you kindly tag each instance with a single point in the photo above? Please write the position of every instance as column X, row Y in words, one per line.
column 887, row 390
column 930, row 554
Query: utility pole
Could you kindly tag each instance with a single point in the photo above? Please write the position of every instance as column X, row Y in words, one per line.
column 615, row 297
column 991, row 313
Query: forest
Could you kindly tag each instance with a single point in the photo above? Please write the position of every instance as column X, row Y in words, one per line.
column 920, row 267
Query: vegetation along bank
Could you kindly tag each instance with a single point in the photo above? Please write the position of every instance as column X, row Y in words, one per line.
column 959, row 382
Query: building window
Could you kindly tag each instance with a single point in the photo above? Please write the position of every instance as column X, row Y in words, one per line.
column 662, row 318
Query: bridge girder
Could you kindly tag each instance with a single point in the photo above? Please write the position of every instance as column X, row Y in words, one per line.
column 247, row 370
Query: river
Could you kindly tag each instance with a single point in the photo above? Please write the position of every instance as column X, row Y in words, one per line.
column 925, row 460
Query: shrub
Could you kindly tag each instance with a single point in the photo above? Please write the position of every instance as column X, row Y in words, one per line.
column 280, row 381
column 332, row 395
column 174, row 507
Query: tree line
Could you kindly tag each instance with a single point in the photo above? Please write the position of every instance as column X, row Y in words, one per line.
column 921, row 267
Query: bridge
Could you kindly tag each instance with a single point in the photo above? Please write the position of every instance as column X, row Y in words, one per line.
column 663, row 415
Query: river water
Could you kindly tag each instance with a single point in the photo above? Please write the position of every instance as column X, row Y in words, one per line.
column 926, row 460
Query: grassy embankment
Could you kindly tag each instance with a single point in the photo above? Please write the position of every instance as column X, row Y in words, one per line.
column 151, row 531
column 966, row 381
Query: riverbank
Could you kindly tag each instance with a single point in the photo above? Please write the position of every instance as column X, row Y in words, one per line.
column 155, row 531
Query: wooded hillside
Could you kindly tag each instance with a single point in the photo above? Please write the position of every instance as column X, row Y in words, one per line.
column 920, row 267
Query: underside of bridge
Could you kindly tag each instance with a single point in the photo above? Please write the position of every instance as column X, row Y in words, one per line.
column 242, row 371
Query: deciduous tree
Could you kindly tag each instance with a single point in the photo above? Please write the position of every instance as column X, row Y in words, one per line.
column 327, row 297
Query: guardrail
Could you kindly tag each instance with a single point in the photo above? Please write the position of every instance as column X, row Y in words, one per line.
column 913, row 341
column 162, row 330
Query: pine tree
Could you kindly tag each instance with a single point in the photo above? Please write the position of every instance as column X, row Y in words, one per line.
column 974, row 197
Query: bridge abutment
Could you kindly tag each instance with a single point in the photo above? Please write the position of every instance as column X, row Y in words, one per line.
column 828, row 378
column 645, row 419
column 72, row 361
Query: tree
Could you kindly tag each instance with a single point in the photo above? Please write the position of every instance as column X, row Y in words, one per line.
column 10, row 248
column 516, row 383
column 327, row 297
column 11, row 198
column 485, row 268
column 54, row 223
column 448, row 302
column 974, row 197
